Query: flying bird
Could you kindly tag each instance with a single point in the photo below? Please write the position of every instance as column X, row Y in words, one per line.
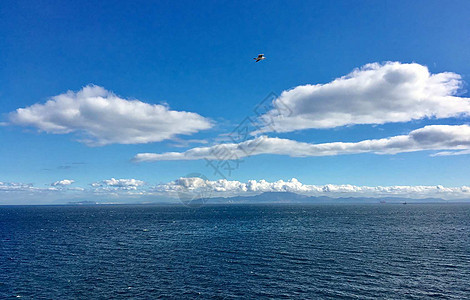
column 260, row 57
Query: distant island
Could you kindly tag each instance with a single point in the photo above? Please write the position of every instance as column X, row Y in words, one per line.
column 282, row 198
column 289, row 197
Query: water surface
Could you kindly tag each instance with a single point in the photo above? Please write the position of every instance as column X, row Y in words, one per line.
column 236, row 252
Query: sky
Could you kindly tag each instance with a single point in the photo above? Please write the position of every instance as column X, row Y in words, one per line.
column 133, row 100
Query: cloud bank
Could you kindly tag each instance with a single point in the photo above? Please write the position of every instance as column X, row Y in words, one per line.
column 226, row 188
column 133, row 190
column 103, row 118
column 432, row 137
column 374, row 94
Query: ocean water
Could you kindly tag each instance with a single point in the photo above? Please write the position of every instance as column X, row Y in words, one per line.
column 236, row 252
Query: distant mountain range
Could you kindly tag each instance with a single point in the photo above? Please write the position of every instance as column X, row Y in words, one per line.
column 288, row 197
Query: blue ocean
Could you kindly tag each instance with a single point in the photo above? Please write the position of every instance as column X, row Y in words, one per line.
column 394, row 251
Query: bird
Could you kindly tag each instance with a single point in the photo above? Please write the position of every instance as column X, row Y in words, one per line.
column 260, row 57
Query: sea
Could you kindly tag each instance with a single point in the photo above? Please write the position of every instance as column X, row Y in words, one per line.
column 344, row 251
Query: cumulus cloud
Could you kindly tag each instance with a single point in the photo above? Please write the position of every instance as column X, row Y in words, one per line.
column 21, row 191
column 133, row 190
column 30, row 188
column 374, row 94
column 433, row 137
column 225, row 188
column 103, row 118
column 61, row 192
column 64, row 182
column 14, row 193
column 122, row 184
column 15, row 186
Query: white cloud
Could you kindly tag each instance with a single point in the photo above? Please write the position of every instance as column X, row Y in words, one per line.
column 433, row 137
column 104, row 118
column 14, row 193
column 121, row 184
column 24, row 193
column 132, row 190
column 224, row 188
column 452, row 153
column 373, row 94
column 14, row 186
column 30, row 188
column 64, row 182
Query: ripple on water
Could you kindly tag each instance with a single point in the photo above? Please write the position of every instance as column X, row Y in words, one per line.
column 230, row 252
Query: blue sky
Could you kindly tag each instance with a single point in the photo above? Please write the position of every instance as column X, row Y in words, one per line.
column 197, row 57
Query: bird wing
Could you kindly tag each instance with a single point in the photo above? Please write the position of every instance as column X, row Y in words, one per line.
column 260, row 55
